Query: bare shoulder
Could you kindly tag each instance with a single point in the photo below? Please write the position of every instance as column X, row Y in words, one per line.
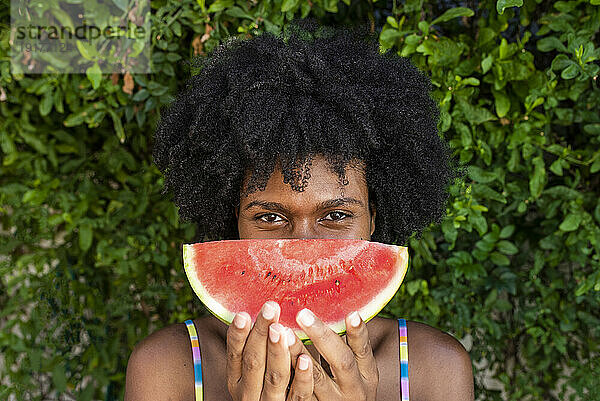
column 160, row 365
column 439, row 366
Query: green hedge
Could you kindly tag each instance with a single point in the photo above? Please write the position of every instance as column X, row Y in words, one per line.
column 91, row 249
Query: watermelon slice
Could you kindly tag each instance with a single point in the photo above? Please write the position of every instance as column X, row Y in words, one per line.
column 331, row 277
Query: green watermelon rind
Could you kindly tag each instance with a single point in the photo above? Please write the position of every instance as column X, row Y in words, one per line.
column 366, row 313
column 223, row 314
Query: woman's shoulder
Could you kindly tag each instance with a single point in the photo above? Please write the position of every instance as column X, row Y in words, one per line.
column 421, row 336
column 165, row 350
column 438, row 363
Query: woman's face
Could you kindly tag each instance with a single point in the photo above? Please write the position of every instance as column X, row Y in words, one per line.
column 325, row 209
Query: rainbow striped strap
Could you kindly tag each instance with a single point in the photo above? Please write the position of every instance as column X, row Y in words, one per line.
column 403, row 359
column 197, row 359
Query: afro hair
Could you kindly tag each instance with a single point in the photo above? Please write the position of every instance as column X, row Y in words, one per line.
column 311, row 90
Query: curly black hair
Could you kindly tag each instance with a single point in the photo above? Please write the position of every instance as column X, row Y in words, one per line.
column 311, row 90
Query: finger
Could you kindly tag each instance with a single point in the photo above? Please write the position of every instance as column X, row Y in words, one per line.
column 323, row 387
column 302, row 386
column 237, row 332
column 255, row 352
column 277, row 374
column 335, row 351
column 358, row 340
column 295, row 346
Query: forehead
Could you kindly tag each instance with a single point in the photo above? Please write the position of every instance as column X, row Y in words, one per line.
column 323, row 184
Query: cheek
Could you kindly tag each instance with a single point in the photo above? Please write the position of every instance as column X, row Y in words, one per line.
column 366, row 226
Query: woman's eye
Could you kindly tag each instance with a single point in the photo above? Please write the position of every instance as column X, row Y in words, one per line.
column 269, row 218
column 335, row 216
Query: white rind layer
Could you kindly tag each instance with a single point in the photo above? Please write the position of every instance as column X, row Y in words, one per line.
column 366, row 313
column 216, row 308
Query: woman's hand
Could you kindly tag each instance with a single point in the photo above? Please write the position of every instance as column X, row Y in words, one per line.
column 259, row 369
column 354, row 369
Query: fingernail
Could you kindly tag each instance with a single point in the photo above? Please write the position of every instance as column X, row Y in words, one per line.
column 269, row 309
column 240, row 320
column 274, row 332
column 306, row 317
column 291, row 337
column 354, row 319
column 302, row 362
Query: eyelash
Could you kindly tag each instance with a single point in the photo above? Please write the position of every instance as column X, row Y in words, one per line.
column 259, row 218
column 346, row 216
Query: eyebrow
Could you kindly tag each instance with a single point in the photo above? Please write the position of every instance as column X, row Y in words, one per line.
column 278, row 207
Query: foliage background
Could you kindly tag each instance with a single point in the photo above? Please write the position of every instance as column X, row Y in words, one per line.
column 91, row 260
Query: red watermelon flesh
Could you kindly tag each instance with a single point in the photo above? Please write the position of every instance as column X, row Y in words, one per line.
column 331, row 277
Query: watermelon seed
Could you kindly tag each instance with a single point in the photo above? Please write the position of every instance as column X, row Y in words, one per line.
column 243, row 272
column 268, row 274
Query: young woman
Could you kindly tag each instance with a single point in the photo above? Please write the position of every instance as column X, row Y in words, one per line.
column 313, row 134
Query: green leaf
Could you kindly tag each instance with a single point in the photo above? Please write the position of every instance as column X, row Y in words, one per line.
column 141, row 95
column 550, row 43
column 584, row 287
column 220, row 5
column 480, row 223
column 503, row 49
column 413, row 287
column 571, row 222
column 482, row 191
column 46, row 103
column 94, row 74
column 556, row 167
column 501, row 5
column 561, row 62
column 480, row 175
column 499, row 259
column 507, row 247
column 507, row 231
column 237, row 12
column 486, row 63
column 472, row 271
column 502, row 103
column 59, row 378
column 33, row 141
column 85, row 236
column 470, row 81
column 122, row 4
column 289, row 5
column 491, row 298
column 570, row 72
column 536, row 181
column 74, row 119
column 118, row 125
column 392, row 21
column 475, row 114
column 63, row 17
column 592, row 129
column 88, row 51
column 595, row 166
column 484, row 246
column 34, row 197
column 87, row 393
column 6, row 143
column 453, row 13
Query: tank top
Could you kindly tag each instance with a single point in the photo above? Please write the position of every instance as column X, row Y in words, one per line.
column 403, row 346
